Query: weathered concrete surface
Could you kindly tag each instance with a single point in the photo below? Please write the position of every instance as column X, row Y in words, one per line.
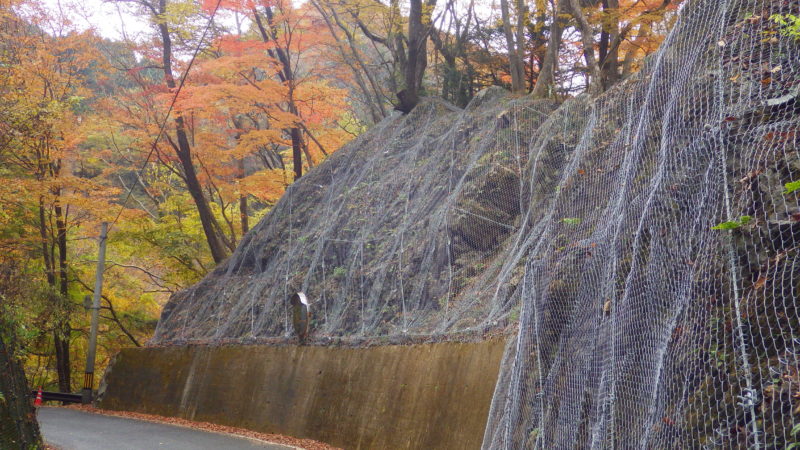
column 418, row 396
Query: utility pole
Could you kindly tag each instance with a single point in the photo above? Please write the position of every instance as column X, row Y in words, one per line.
column 88, row 375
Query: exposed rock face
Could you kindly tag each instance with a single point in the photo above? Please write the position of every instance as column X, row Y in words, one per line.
column 587, row 226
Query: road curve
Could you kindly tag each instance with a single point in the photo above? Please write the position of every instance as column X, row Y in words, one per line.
column 69, row 429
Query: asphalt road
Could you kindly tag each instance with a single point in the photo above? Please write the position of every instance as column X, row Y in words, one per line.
column 69, row 429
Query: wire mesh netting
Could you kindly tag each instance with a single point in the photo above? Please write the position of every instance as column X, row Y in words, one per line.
column 644, row 245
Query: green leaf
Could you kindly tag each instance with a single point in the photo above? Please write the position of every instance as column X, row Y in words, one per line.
column 791, row 446
column 733, row 224
column 790, row 24
column 778, row 18
column 726, row 226
column 791, row 187
column 571, row 220
column 795, row 429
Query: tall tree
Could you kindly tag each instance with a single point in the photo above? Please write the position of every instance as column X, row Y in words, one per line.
column 515, row 41
column 545, row 83
column 269, row 34
column 606, row 27
column 166, row 18
column 608, row 48
column 594, row 84
column 350, row 49
column 47, row 74
column 409, row 50
column 416, row 60
column 454, row 42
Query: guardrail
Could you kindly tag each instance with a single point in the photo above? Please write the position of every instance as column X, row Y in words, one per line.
column 58, row 396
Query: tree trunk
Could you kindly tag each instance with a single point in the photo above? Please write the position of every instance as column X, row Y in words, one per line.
column 18, row 427
column 297, row 153
column 522, row 11
column 195, row 188
column 243, row 214
column 48, row 262
column 287, row 76
column 451, row 86
column 514, row 61
column 630, row 55
column 545, row 84
column 184, row 153
column 62, row 328
column 609, row 55
column 373, row 98
column 537, row 44
column 594, row 84
column 243, row 219
column 61, row 345
column 417, row 54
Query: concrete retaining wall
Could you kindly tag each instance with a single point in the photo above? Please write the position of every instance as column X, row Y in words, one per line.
column 393, row 397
